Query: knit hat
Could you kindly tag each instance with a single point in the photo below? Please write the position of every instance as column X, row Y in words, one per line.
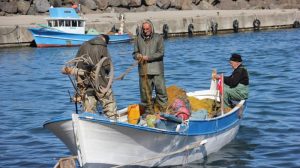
column 236, row 58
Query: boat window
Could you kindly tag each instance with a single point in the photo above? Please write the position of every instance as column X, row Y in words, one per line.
column 74, row 23
column 50, row 24
column 80, row 23
column 61, row 23
column 55, row 23
column 67, row 23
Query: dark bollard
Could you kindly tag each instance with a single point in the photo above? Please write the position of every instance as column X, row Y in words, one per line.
column 191, row 29
column 256, row 25
column 235, row 26
column 165, row 30
column 214, row 28
column 296, row 24
column 137, row 30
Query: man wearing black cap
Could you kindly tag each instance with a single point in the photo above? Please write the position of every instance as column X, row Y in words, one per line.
column 235, row 85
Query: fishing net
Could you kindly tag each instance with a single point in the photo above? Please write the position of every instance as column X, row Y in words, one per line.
column 173, row 93
column 212, row 107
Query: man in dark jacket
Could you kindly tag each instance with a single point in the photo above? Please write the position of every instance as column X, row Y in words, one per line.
column 149, row 51
column 236, row 85
column 89, row 55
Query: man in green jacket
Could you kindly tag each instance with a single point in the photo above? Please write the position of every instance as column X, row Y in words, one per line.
column 89, row 55
column 149, row 51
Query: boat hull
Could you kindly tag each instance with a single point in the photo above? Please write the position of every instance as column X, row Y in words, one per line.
column 45, row 37
column 62, row 127
column 104, row 144
column 99, row 142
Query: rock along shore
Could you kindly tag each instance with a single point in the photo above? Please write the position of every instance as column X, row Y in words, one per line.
column 13, row 29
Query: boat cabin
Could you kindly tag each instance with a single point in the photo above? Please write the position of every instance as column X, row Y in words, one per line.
column 66, row 20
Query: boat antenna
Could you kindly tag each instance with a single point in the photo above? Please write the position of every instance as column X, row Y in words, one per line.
column 76, row 109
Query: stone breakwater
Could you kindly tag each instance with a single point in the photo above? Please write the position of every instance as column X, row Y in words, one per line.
column 13, row 29
column 38, row 7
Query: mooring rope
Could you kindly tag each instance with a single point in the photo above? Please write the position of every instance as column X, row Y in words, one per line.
column 146, row 85
column 187, row 148
column 121, row 77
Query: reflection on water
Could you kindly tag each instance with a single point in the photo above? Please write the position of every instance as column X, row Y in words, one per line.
column 32, row 90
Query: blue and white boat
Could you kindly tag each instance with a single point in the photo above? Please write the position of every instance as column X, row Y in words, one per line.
column 99, row 142
column 66, row 28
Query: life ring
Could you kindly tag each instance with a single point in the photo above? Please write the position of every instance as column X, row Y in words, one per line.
column 256, row 25
column 296, row 24
column 165, row 30
column 235, row 26
column 191, row 29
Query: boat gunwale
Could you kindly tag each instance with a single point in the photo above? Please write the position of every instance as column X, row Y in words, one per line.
column 96, row 118
column 157, row 130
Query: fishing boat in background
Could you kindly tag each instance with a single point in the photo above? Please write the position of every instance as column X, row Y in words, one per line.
column 97, row 141
column 66, row 28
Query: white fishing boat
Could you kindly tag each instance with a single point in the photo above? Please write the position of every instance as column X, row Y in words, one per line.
column 100, row 142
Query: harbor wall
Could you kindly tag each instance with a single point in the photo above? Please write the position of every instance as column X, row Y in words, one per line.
column 13, row 30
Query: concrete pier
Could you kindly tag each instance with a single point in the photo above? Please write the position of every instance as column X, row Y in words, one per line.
column 13, row 29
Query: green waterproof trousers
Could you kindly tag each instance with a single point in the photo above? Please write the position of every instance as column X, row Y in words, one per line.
column 240, row 92
column 148, row 83
column 107, row 101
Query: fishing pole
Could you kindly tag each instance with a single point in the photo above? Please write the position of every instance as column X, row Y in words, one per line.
column 76, row 94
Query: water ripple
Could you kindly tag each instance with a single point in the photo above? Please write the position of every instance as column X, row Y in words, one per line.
column 32, row 90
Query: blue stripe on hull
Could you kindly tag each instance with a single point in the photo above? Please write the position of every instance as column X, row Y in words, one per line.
column 196, row 127
column 46, row 38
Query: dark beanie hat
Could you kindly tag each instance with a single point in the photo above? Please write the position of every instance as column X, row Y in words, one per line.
column 236, row 58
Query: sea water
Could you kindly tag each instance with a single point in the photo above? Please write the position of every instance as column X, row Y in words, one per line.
column 32, row 90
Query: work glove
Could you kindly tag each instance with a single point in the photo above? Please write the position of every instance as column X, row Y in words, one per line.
column 66, row 70
column 72, row 71
column 139, row 57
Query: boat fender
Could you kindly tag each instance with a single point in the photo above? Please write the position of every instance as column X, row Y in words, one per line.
column 256, row 25
column 235, row 26
column 137, row 30
column 165, row 30
column 296, row 24
column 191, row 29
column 214, row 27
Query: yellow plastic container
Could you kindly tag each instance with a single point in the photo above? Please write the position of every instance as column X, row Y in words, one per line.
column 133, row 113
